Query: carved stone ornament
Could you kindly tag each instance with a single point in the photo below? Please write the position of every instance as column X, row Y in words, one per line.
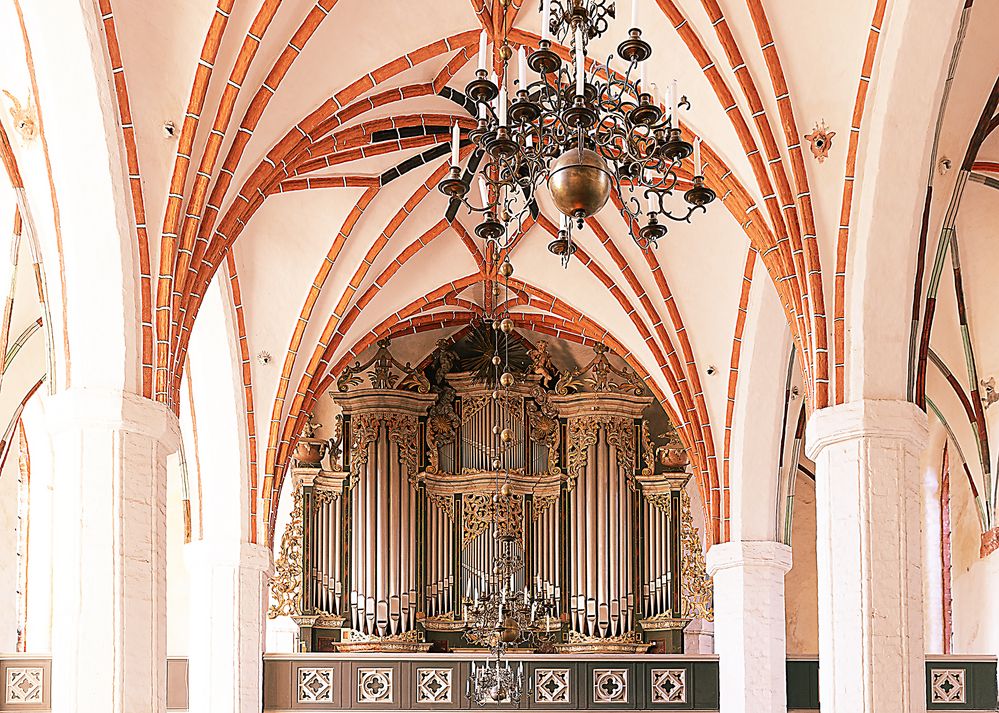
column 310, row 449
column 696, row 588
column 286, row 585
column 820, row 140
column 542, row 416
column 386, row 373
column 402, row 429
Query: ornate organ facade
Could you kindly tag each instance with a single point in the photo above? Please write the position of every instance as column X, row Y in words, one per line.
column 394, row 534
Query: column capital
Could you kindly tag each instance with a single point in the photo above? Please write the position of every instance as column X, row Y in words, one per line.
column 748, row 553
column 209, row 553
column 866, row 418
column 90, row 407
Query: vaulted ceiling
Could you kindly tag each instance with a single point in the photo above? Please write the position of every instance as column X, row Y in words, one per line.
column 292, row 149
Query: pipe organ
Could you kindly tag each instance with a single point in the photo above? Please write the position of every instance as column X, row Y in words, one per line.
column 386, row 547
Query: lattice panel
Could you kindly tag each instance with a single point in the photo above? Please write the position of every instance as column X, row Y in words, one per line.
column 669, row 685
column 24, row 685
column 433, row 685
column 374, row 685
column 315, row 685
column 610, row 685
column 551, row 685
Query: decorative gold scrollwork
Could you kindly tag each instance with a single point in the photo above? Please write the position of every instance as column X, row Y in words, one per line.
column 604, row 376
column 480, row 511
column 542, row 503
column 696, row 589
column 583, row 433
column 446, row 504
column 383, row 373
column 286, row 585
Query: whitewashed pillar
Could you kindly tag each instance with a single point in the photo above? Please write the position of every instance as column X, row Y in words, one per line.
column 868, row 516
column 226, row 641
column 749, row 624
column 109, row 555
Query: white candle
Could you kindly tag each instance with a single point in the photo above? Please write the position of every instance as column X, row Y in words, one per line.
column 564, row 223
column 641, row 78
column 634, row 13
column 502, row 106
column 525, row 594
column 483, row 191
column 455, row 143
column 522, row 67
column 482, row 50
column 697, row 156
column 674, row 98
column 580, row 63
column 546, row 19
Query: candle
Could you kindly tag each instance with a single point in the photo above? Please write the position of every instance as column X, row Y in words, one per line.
column 641, row 78
column 483, row 191
column 546, row 19
column 564, row 223
column 697, row 156
column 522, row 67
column 482, row 50
column 525, row 594
column 674, row 98
column 580, row 62
column 502, row 106
column 455, row 143
column 634, row 13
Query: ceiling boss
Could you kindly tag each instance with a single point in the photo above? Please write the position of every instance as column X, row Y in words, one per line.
column 581, row 128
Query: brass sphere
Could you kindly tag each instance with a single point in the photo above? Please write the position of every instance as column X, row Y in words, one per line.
column 506, row 490
column 506, row 435
column 506, row 269
column 509, row 631
column 506, row 325
column 496, row 430
column 579, row 182
column 506, row 379
column 496, row 464
column 495, row 497
column 495, row 395
column 496, row 360
column 495, row 324
column 506, row 52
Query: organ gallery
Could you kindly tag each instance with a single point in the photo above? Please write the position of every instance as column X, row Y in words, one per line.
column 428, row 479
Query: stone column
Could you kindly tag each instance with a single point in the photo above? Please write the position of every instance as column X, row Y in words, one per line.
column 226, row 641
column 749, row 624
column 871, row 649
column 109, row 555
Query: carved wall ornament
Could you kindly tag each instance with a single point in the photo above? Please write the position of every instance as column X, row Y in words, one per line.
column 628, row 643
column 374, row 685
column 669, row 685
column 696, row 587
column 433, row 685
column 551, row 685
column 947, row 685
column 660, row 501
column 403, row 430
column 352, row 640
column 25, row 117
column 286, row 585
column 821, row 141
column 603, row 377
column 542, row 416
column 364, row 430
column 610, row 685
column 386, row 373
column 23, row 685
column 315, row 685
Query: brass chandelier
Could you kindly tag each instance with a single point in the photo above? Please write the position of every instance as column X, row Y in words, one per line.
column 584, row 134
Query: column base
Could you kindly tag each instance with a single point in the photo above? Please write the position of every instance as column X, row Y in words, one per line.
column 749, row 624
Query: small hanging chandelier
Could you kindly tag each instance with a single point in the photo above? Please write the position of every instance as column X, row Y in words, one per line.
column 584, row 134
